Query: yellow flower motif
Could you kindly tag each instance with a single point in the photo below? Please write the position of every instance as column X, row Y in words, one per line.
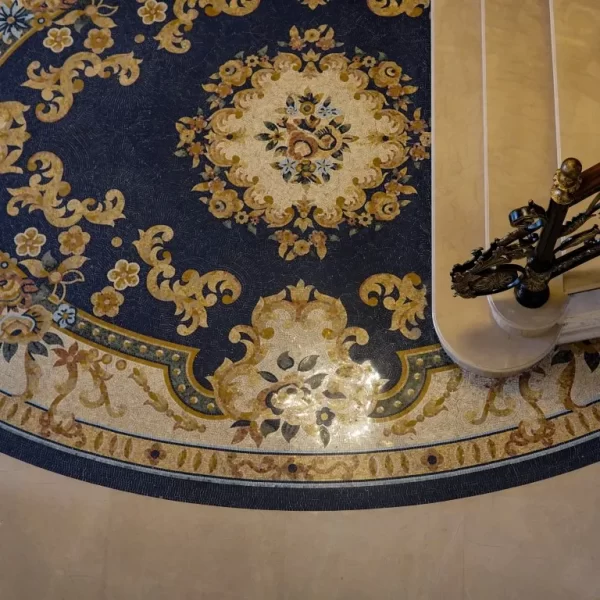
column 224, row 205
column 312, row 35
column 302, row 247
column 386, row 73
column 384, row 207
column 327, row 42
column 153, row 12
column 365, row 220
column 418, row 125
column 124, row 274
column 234, row 72
column 241, row 217
column 419, row 153
column 425, row 139
column 186, row 136
column 252, row 60
column 319, row 241
column 58, row 39
column 223, row 90
column 98, row 40
column 195, row 150
column 30, row 242
column 286, row 237
column 73, row 241
column 107, row 302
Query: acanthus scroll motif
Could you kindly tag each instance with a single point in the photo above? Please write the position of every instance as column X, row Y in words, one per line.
column 47, row 191
column 188, row 293
column 60, row 84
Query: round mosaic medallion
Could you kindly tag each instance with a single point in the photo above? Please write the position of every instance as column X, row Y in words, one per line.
column 307, row 142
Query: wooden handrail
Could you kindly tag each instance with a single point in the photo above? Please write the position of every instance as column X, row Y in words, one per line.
column 590, row 184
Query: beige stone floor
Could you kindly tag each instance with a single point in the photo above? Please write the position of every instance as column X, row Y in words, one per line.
column 62, row 539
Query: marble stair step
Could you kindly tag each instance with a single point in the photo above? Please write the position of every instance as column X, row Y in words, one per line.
column 520, row 134
column 472, row 185
column 576, row 27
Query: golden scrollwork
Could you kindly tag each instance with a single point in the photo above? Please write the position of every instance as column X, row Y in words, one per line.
column 13, row 134
column 47, row 191
column 408, row 304
column 394, row 8
column 59, row 85
column 189, row 292
column 234, row 8
column 170, row 37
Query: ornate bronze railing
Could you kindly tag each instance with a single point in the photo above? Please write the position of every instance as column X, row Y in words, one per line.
column 546, row 245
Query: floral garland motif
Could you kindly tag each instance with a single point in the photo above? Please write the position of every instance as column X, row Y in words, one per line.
column 337, row 157
column 60, row 84
column 13, row 134
column 47, row 192
column 188, row 293
column 275, row 388
column 394, row 8
column 171, row 37
column 161, row 405
column 405, row 297
column 24, row 326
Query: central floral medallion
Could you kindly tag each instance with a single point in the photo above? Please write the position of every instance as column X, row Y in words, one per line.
column 314, row 143
column 310, row 139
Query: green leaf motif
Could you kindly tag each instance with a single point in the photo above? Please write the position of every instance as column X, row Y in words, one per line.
column 52, row 339
column 267, row 376
column 592, row 360
column 37, row 348
column 562, row 357
column 308, row 363
column 9, row 350
column 289, row 432
column 324, row 435
column 269, row 426
column 316, row 380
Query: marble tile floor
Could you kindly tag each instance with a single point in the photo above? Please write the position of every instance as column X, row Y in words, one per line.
column 62, row 539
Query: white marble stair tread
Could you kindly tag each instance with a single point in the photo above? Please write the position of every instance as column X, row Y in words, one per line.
column 466, row 328
column 520, row 136
column 577, row 55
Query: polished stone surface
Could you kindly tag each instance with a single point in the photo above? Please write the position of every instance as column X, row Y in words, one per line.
column 61, row 539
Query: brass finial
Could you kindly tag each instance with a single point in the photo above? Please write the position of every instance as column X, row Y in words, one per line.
column 567, row 180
